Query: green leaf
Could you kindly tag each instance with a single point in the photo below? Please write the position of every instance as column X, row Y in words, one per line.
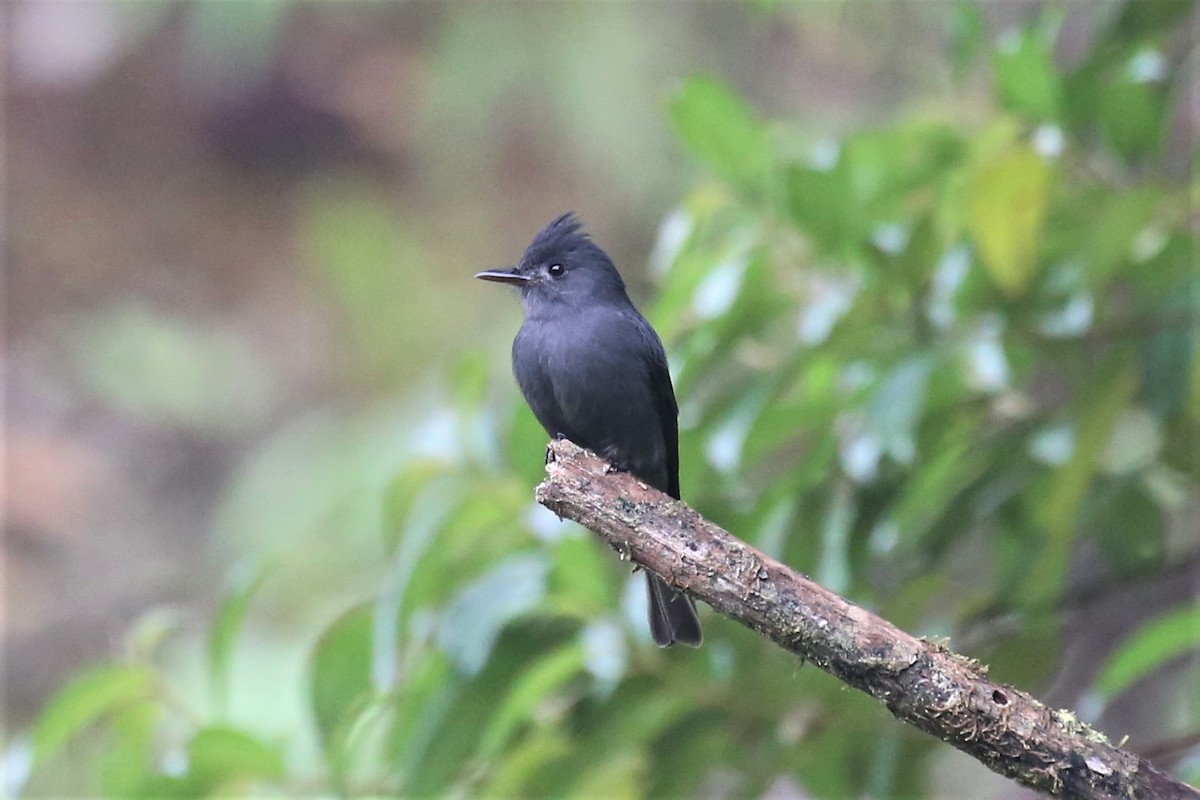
column 621, row 776
column 966, row 35
column 951, row 462
column 534, row 687
column 580, row 580
column 822, row 204
column 129, row 763
column 1110, row 224
column 722, row 131
column 1005, row 214
column 450, row 731
column 243, row 584
column 1140, row 19
column 526, row 446
column 1026, row 77
column 1133, row 116
column 218, row 755
column 885, row 167
column 425, row 514
column 897, row 405
column 406, row 492
column 517, row 774
column 340, row 670
column 474, row 619
column 1135, row 443
column 84, row 700
column 1152, row 646
column 1129, row 529
column 637, row 714
column 1167, row 358
column 1110, row 388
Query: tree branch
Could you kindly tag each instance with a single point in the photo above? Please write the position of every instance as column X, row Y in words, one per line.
column 921, row 683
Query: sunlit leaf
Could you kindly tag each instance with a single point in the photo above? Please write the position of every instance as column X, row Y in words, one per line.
column 86, row 699
column 1007, row 208
column 220, row 754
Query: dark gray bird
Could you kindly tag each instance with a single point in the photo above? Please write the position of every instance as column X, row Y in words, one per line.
column 593, row 371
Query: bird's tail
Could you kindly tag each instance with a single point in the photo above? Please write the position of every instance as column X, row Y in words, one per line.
column 672, row 615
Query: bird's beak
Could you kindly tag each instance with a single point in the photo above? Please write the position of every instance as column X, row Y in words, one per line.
column 510, row 275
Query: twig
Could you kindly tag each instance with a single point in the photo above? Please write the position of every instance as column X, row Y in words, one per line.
column 921, row 683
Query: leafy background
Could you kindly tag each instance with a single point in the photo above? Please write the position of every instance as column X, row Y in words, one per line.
column 926, row 273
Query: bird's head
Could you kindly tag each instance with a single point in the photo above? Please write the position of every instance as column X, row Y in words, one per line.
column 562, row 269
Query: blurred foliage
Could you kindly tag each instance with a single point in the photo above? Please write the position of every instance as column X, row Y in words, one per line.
column 933, row 365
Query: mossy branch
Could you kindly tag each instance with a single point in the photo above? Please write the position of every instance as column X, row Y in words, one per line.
column 922, row 683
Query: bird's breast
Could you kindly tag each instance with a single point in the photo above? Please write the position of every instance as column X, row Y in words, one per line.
column 589, row 380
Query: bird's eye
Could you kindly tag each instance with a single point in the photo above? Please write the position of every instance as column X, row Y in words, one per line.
column 556, row 270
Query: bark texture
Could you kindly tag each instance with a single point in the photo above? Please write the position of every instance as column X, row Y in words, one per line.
column 921, row 682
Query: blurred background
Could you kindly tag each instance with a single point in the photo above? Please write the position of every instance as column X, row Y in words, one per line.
column 926, row 271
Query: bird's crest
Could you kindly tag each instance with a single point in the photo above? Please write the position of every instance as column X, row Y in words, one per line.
column 563, row 236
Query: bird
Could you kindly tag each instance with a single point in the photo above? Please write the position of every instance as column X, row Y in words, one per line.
column 594, row 371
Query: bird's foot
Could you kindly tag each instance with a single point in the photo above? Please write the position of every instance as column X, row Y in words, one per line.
column 616, row 466
column 558, row 437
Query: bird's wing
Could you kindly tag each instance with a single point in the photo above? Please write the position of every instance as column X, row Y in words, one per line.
column 664, row 403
